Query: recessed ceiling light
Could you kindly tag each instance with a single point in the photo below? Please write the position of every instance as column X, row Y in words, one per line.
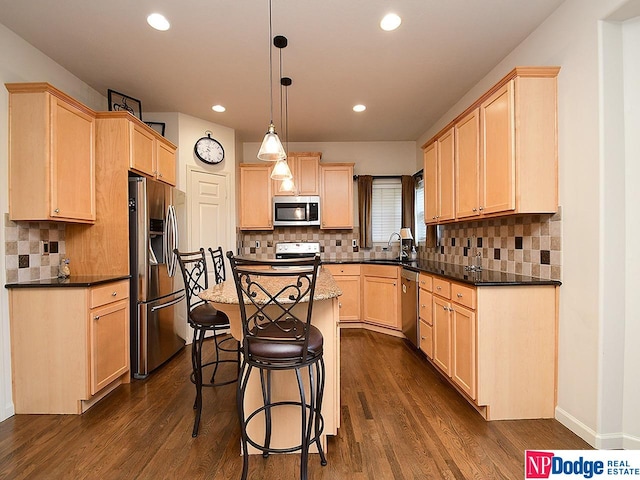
column 391, row 21
column 218, row 108
column 158, row 21
column 359, row 108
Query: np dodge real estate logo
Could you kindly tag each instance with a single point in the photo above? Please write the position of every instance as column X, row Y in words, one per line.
column 601, row 464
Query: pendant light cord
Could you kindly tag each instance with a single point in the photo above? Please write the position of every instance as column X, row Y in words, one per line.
column 270, row 64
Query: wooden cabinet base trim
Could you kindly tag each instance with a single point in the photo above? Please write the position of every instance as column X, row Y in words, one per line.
column 85, row 405
column 372, row 328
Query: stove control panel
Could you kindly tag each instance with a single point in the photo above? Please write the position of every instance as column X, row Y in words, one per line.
column 298, row 248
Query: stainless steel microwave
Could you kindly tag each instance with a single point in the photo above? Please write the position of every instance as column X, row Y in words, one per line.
column 296, row 211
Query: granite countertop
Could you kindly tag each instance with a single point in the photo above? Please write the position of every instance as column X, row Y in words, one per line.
column 72, row 281
column 483, row 278
column 225, row 292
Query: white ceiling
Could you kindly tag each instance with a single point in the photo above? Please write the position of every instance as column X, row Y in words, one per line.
column 217, row 52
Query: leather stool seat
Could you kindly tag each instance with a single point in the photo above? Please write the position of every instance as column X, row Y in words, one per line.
column 205, row 315
column 264, row 346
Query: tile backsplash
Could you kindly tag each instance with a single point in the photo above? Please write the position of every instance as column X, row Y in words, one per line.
column 334, row 244
column 527, row 244
column 23, row 244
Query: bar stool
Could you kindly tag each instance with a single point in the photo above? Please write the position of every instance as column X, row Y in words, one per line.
column 276, row 308
column 203, row 318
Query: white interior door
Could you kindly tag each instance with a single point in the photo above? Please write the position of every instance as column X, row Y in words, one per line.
column 210, row 217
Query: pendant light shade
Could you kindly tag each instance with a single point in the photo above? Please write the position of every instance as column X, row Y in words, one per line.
column 271, row 149
column 281, row 171
column 287, row 185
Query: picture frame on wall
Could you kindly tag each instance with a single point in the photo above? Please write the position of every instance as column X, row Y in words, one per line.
column 121, row 102
column 157, row 126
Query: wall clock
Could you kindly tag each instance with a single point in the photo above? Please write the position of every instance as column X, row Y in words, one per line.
column 209, row 150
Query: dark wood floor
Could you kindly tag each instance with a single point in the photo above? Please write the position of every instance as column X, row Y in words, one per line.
column 400, row 420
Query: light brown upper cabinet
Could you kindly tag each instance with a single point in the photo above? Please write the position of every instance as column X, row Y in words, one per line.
column 336, row 196
column 467, row 160
column 150, row 155
column 306, row 174
column 439, row 179
column 256, row 210
column 519, row 145
column 506, row 159
column 51, row 155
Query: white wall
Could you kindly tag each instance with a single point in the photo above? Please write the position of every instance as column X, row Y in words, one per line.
column 570, row 38
column 20, row 62
column 631, row 78
column 370, row 158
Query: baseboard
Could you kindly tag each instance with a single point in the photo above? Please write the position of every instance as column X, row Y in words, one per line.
column 629, row 442
column 8, row 411
column 607, row 441
column 577, row 427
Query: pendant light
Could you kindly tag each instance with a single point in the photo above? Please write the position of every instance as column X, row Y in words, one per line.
column 281, row 170
column 287, row 184
column 271, row 149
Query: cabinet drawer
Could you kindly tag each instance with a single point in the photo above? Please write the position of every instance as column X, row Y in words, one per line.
column 463, row 295
column 442, row 287
column 386, row 271
column 426, row 339
column 426, row 282
column 345, row 269
column 425, row 308
column 108, row 293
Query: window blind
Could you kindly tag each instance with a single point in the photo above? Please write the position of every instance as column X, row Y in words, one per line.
column 386, row 208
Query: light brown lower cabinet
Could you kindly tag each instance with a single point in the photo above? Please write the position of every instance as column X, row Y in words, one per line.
column 496, row 344
column 69, row 346
column 425, row 314
column 381, row 295
column 348, row 279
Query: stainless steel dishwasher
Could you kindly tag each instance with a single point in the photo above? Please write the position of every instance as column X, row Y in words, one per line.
column 410, row 326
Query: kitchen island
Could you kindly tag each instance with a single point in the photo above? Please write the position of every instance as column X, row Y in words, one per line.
column 286, row 425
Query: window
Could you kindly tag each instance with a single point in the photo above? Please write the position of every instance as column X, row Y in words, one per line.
column 386, row 208
column 421, row 227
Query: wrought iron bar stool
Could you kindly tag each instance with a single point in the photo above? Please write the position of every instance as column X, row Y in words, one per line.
column 203, row 318
column 275, row 308
column 220, row 275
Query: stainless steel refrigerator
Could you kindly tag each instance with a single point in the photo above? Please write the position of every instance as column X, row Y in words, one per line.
column 156, row 289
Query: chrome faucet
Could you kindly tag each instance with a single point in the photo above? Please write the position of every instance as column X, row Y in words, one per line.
column 403, row 253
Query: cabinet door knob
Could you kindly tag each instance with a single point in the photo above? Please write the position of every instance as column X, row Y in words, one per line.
column 481, row 208
column 57, row 210
column 97, row 317
column 475, row 210
column 459, row 295
column 444, row 308
column 422, row 306
column 114, row 294
column 438, row 287
column 340, row 304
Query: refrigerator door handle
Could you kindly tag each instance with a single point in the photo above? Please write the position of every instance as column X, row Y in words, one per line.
column 168, row 304
column 170, row 235
column 174, row 240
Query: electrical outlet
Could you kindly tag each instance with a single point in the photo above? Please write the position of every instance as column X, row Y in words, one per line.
column 44, row 247
column 257, row 243
column 354, row 243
